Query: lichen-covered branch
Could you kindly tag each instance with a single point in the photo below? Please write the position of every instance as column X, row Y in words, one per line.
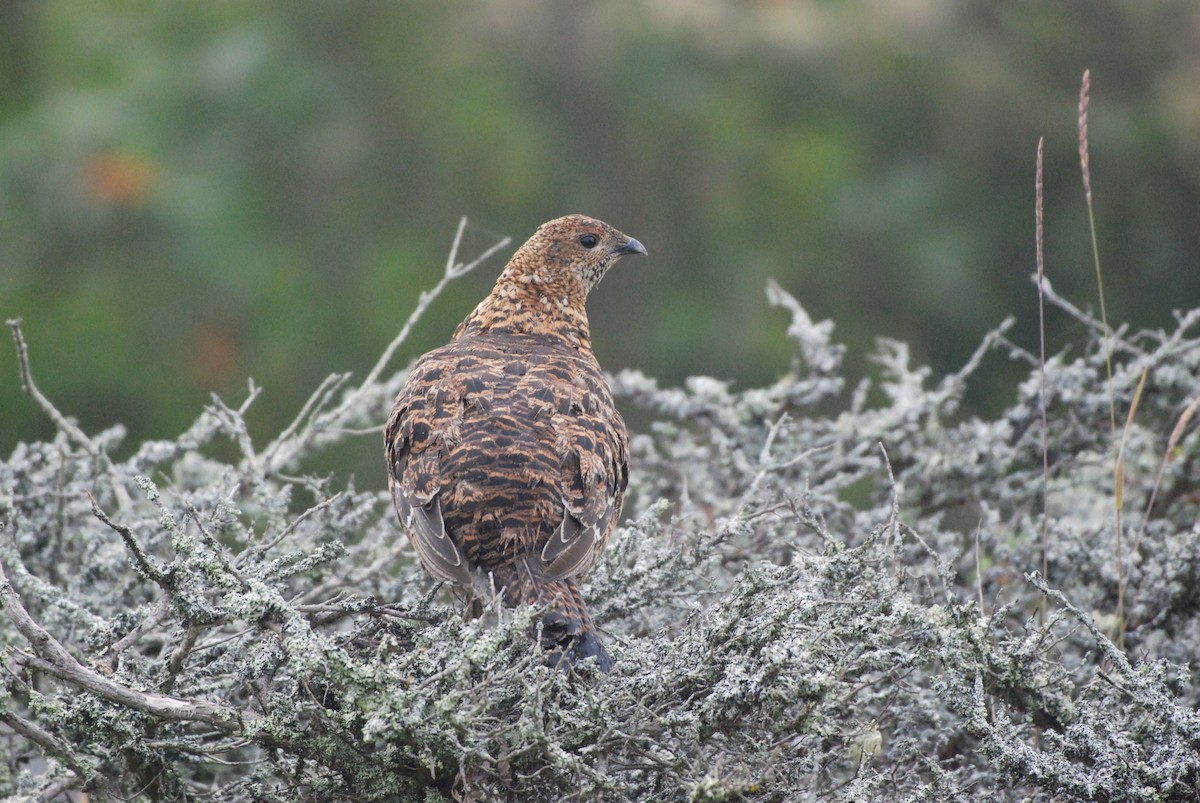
column 802, row 605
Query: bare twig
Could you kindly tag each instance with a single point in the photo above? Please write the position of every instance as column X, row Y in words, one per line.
column 953, row 383
column 328, row 612
column 61, row 421
column 143, row 562
column 1117, row 341
column 252, row 394
column 454, row 270
column 295, row 439
column 317, row 401
column 387, row 558
column 769, row 466
column 151, row 621
column 258, row 550
column 234, row 420
column 179, row 655
column 894, row 518
column 1075, row 312
column 1017, row 352
column 979, row 569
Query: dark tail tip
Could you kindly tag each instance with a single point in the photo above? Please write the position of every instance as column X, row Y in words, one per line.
column 573, row 649
column 566, row 631
column 570, row 639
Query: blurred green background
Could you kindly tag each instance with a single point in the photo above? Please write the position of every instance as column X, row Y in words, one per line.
column 196, row 193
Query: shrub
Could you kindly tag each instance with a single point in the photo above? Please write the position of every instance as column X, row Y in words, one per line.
column 802, row 603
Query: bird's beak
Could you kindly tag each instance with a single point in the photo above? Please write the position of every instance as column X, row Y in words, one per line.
column 631, row 247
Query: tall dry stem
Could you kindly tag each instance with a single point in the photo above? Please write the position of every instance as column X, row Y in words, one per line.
column 1084, row 96
column 1039, row 221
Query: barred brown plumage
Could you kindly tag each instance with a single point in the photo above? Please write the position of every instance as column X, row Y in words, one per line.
column 507, row 458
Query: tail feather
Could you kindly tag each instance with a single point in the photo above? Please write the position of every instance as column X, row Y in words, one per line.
column 567, row 632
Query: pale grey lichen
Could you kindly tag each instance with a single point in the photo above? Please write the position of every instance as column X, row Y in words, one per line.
column 802, row 605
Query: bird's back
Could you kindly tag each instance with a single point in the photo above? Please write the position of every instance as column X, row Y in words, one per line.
column 511, row 434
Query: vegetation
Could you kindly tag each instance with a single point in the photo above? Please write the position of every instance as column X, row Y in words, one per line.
column 975, row 579
column 803, row 605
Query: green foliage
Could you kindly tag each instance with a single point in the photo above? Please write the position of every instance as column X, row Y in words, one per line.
column 190, row 196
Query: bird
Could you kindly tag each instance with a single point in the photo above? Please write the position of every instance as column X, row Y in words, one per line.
column 507, row 458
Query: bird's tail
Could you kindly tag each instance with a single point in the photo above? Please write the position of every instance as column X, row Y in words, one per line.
column 567, row 631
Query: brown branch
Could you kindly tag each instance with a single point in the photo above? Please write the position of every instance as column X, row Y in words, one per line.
column 152, row 620
column 179, row 655
column 53, row 659
column 57, row 787
column 51, row 744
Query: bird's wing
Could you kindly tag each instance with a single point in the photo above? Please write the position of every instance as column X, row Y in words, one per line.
column 414, row 475
column 595, row 472
column 427, row 530
column 575, row 545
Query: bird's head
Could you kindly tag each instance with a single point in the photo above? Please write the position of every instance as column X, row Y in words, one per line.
column 574, row 249
column 543, row 288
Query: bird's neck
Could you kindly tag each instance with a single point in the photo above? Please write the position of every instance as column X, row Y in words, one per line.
column 519, row 305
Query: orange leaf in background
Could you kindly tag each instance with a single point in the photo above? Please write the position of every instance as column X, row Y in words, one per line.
column 213, row 355
column 119, row 177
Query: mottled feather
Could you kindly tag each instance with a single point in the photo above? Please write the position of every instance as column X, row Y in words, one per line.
column 507, row 458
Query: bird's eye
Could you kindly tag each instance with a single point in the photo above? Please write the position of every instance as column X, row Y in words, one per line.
column 589, row 240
